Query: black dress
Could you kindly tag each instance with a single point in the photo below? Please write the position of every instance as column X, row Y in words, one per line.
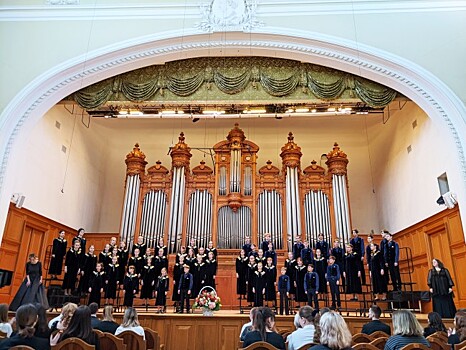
column 300, row 273
column 320, row 266
column 377, row 263
column 163, row 283
column 58, row 253
column 177, row 272
column 250, row 279
column 138, row 263
column 271, row 279
column 259, row 283
column 35, row 293
column 290, row 272
column 130, row 284
column 148, row 277
column 113, row 279
column 199, row 277
column 96, row 283
column 211, row 272
column 72, row 264
column 352, row 264
column 442, row 300
column 88, row 266
column 241, row 268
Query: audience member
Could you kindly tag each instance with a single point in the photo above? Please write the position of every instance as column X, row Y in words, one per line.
column 406, row 330
column 5, row 325
column 42, row 328
column 60, row 326
column 335, row 334
column 435, row 324
column 375, row 325
column 264, row 330
column 130, row 323
column 296, row 322
column 458, row 333
column 80, row 327
column 94, row 320
column 305, row 334
column 108, row 323
column 26, row 318
column 247, row 327
column 317, row 315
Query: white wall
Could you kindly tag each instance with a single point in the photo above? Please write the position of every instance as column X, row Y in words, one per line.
column 42, row 170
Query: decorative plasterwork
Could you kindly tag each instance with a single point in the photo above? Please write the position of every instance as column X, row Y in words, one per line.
column 62, row 2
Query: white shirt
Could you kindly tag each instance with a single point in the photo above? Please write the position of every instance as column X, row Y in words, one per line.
column 55, row 319
column 6, row 328
column 138, row 330
column 300, row 337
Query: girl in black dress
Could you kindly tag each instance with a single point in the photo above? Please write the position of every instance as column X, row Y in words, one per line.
column 130, row 286
column 181, row 253
column 177, row 272
column 352, row 272
column 162, row 246
column 251, row 269
column 123, row 257
column 260, row 258
column 211, row 270
column 241, row 265
column 96, row 284
column 72, row 268
column 441, row 287
column 376, row 271
column 320, row 267
column 113, row 279
column 160, row 262
column 199, row 275
column 300, row 273
column 190, row 259
column 259, row 284
column 271, row 281
column 89, row 263
column 32, row 289
column 211, row 248
column 137, row 261
column 58, row 253
column 105, row 256
column 290, row 265
column 161, row 291
column 148, row 277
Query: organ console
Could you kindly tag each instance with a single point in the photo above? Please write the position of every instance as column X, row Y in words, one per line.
column 235, row 199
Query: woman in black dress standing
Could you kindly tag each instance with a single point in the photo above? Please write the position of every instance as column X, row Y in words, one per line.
column 241, row 268
column 377, row 272
column 96, row 284
column 72, row 268
column 320, row 265
column 441, row 284
column 352, row 272
column 32, row 289
column 300, row 273
column 58, row 253
column 251, row 269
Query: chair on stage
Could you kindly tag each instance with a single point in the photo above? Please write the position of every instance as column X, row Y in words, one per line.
column 379, row 334
column 152, row 339
column 364, row 346
column 108, row 341
column 73, row 344
column 361, row 338
column 415, row 346
column 438, row 344
column 379, row 342
column 132, row 340
column 260, row 345
column 21, row 347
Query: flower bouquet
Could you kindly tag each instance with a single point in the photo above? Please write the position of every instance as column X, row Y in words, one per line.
column 208, row 301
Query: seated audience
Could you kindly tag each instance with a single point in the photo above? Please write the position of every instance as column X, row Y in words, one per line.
column 304, row 334
column 247, row 327
column 94, row 320
column 317, row 315
column 26, row 318
column 5, row 325
column 130, row 323
column 375, row 325
column 42, row 328
column 108, row 323
column 296, row 322
column 335, row 334
column 406, row 330
column 435, row 324
column 80, row 327
column 264, row 330
column 58, row 327
column 458, row 333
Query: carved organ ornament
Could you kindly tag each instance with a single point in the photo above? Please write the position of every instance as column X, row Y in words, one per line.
column 235, row 200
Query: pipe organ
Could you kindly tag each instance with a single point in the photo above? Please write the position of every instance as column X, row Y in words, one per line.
column 235, row 199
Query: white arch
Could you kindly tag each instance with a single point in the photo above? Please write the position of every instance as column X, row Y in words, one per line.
column 431, row 94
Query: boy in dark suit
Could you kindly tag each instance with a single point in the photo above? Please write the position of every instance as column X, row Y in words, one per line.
column 311, row 285
column 284, row 291
column 185, row 287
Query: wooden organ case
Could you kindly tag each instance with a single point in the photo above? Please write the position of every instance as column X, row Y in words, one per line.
column 235, row 200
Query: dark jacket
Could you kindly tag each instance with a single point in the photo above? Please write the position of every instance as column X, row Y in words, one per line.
column 375, row 326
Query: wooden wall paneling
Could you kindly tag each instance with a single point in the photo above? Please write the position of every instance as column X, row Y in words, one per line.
column 182, row 334
column 228, row 335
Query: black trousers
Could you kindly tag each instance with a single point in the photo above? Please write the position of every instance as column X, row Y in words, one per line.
column 258, row 299
column 284, row 302
column 184, row 296
column 395, row 276
column 312, row 296
column 335, row 292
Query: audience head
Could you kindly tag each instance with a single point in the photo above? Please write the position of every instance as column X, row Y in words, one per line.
column 375, row 312
column 3, row 313
column 80, row 324
column 306, row 315
column 253, row 313
column 263, row 321
column 405, row 323
column 42, row 323
column 130, row 318
column 460, row 324
column 435, row 321
column 108, row 313
column 334, row 331
column 93, row 307
column 67, row 313
column 296, row 322
column 26, row 319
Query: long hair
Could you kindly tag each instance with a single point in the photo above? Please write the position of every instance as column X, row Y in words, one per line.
column 439, row 263
column 335, row 333
column 3, row 313
column 67, row 313
column 460, row 325
column 42, row 324
column 80, row 324
column 405, row 323
column 263, row 321
column 26, row 318
column 108, row 313
column 130, row 318
column 435, row 322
